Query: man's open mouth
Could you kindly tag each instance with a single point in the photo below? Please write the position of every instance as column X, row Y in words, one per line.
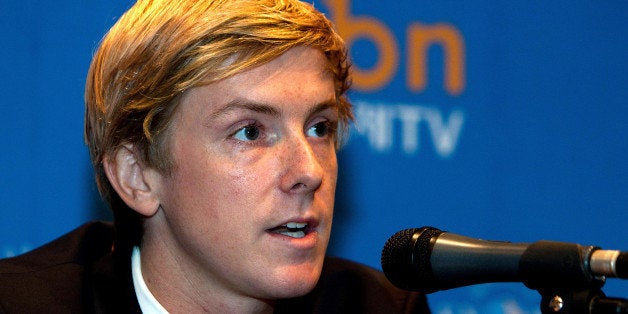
column 292, row 229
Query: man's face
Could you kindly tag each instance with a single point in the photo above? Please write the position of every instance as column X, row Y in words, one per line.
column 247, row 210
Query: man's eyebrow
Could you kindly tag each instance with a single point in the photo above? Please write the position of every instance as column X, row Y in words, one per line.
column 246, row 105
column 328, row 104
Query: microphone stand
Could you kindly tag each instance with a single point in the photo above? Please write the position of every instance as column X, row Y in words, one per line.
column 558, row 271
column 580, row 301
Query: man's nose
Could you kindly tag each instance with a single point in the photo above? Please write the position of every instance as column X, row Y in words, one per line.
column 303, row 171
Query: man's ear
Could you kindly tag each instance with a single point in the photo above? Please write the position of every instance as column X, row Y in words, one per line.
column 135, row 184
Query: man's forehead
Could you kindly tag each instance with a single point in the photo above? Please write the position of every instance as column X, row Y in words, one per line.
column 269, row 109
column 300, row 77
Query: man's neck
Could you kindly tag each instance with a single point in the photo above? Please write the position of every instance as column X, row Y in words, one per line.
column 179, row 289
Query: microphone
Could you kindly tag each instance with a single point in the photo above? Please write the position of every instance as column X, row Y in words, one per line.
column 429, row 260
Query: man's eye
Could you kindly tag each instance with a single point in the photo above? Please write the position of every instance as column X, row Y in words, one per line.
column 321, row 129
column 248, row 133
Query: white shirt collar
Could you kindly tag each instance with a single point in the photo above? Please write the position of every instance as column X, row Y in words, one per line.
column 148, row 303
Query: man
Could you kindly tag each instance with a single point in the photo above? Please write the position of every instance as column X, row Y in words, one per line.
column 212, row 127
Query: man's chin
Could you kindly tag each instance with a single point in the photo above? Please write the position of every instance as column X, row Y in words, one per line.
column 296, row 284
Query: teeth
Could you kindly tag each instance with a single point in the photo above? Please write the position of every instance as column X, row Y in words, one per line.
column 296, row 234
column 291, row 229
column 296, row 225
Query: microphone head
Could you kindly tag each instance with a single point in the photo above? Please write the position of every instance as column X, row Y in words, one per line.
column 406, row 258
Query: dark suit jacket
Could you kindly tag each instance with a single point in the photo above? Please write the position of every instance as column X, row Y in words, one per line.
column 79, row 273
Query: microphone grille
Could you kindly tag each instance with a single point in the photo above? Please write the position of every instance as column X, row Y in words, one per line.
column 399, row 247
column 405, row 258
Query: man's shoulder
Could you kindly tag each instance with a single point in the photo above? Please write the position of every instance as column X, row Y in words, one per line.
column 54, row 274
column 346, row 286
column 339, row 271
column 81, row 246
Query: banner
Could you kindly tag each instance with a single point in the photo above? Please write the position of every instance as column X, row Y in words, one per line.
column 500, row 121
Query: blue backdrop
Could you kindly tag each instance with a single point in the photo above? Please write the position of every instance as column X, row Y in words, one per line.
column 502, row 121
